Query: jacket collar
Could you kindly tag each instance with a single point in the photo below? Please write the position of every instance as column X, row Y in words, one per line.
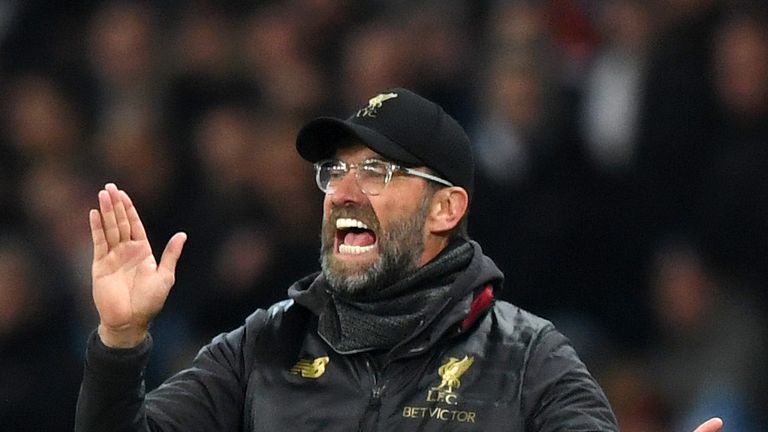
column 466, row 297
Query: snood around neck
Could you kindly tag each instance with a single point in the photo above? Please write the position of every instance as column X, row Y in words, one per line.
column 394, row 313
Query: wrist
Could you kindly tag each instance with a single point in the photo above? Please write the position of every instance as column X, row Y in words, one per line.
column 125, row 337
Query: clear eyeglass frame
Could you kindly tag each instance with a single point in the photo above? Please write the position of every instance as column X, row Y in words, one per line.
column 371, row 175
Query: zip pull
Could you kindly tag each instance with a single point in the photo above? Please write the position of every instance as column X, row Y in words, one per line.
column 370, row 418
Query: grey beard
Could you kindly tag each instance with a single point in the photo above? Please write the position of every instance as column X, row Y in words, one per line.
column 400, row 250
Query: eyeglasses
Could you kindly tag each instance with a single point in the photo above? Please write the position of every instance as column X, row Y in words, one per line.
column 371, row 175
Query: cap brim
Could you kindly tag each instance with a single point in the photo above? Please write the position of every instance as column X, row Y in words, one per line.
column 319, row 138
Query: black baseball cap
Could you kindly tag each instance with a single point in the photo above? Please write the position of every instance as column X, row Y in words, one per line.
column 401, row 126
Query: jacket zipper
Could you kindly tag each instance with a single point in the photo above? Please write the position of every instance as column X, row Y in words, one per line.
column 368, row 421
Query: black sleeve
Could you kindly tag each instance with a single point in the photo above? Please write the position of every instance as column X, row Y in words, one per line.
column 207, row 396
column 559, row 393
column 112, row 392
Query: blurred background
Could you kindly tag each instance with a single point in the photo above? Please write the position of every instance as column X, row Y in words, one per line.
column 622, row 152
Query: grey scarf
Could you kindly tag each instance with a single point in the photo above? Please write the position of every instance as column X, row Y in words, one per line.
column 394, row 313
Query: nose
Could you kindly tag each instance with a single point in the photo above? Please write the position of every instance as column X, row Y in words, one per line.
column 347, row 190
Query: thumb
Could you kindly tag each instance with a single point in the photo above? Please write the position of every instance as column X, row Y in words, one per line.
column 171, row 254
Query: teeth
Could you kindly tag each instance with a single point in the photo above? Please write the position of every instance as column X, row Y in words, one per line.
column 347, row 223
column 354, row 250
column 343, row 223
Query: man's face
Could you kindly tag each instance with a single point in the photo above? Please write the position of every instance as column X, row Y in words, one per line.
column 369, row 242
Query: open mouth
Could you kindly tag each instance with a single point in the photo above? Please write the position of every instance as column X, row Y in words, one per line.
column 353, row 237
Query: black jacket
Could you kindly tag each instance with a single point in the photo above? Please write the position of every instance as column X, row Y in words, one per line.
column 480, row 365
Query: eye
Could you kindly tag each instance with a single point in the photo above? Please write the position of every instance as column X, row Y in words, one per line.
column 335, row 170
column 374, row 168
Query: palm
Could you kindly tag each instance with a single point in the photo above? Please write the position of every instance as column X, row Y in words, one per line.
column 122, row 281
column 129, row 287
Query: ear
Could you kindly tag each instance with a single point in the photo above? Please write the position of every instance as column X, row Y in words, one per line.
column 447, row 208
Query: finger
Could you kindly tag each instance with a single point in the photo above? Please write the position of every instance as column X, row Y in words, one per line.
column 137, row 227
column 100, row 247
column 123, row 226
column 712, row 425
column 109, row 223
column 171, row 254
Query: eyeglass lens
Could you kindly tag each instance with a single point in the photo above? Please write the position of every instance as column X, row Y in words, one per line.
column 371, row 176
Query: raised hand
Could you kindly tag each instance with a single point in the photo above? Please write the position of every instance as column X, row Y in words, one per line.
column 129, row 286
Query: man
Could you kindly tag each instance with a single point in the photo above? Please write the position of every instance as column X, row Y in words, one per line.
column 399, row 331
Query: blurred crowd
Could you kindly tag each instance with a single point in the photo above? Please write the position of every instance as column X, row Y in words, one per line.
column 622, row 160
